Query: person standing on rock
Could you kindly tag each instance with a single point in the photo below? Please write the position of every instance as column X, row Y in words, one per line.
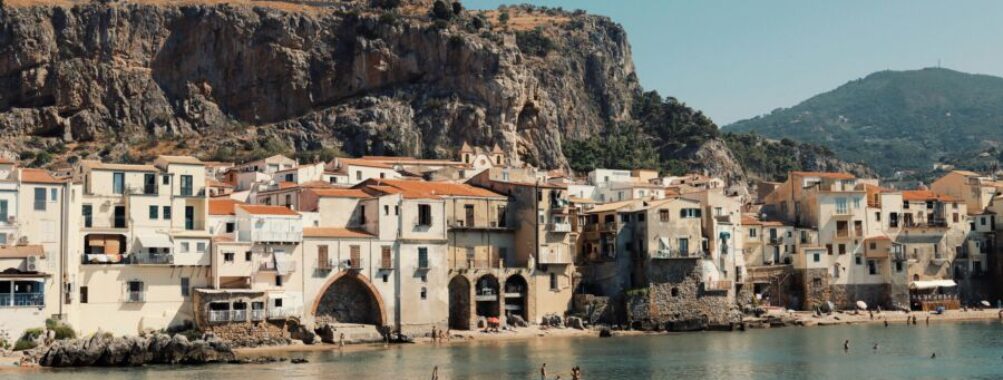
column 435, row 335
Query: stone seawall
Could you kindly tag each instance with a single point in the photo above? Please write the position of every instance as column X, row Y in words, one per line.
column 677, row 300
column 106, row 351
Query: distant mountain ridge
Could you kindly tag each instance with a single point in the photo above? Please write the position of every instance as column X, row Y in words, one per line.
column 896, row 120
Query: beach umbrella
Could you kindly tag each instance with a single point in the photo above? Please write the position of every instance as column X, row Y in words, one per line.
column 861, row 305
column 985, row 303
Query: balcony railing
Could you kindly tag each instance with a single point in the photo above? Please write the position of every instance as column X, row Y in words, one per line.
column 776, row 240
column 151, row 259
column 238, row 315
column 133, row 296
column 257, row 314
column 219, row 316
column 663, row 254
column 325, row 264
column 22, row 300
column 559, row 227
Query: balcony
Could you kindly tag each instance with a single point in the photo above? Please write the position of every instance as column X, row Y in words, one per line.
column 238, row 315
column 486, row 295
column 325, row 265
column 22, row 300
column 135, row 297
column 258, row 314
column 776, row 240
column 144, row 258
column 560, row 256
column 269, row 266
column 559, row 227
column 669, row 254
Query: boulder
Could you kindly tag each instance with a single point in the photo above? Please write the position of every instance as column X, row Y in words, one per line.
column 517, row 321
column 575, row 323
column 552, row 320
column 103, row 350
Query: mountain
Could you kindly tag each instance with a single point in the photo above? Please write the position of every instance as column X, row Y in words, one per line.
column 896, row 120
column 122, row 82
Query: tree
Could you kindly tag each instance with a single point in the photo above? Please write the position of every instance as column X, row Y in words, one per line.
column 457, row 8
column 441, row 11
column 503, row 18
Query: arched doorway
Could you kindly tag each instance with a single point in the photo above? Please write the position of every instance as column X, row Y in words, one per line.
column 487, row 296
column 350, row 299
column 516, row 290
column 459, row 303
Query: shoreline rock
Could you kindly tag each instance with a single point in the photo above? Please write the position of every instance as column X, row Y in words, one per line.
column 106, row 351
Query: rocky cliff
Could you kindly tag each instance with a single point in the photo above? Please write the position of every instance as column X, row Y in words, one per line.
column 123, row 81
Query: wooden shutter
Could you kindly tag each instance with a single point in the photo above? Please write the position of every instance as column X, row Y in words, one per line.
column 356, row 256
column 386, row 260
column 322, row 257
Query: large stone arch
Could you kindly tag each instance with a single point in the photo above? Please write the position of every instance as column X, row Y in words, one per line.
column 487, row 291
column 350, row 298
column 517, row 296
column 459, row 303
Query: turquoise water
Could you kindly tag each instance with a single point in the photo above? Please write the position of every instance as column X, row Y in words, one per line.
column 964, row 350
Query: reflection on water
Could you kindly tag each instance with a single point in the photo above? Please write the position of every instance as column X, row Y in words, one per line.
column 968, row 350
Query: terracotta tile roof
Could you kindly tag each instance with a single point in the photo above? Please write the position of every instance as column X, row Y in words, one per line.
column 425, row 189
column 267, row 210
column 966, row 173
column 363, row 162
column 330, row 232
column 315, row 185
column 749, row 220
column 825, row 174
column 612, row 206
column 38, row 176
column 925, row 195
column 223, row 206
column 580, row 200
column 98, row 165
column 877, row 238
column 341, row 193
column 185, row 160
column 21, row 251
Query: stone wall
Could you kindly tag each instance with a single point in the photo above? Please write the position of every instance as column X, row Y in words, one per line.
column 596, row 309
column 872, row 294
column 251, row 334
column 676, row 300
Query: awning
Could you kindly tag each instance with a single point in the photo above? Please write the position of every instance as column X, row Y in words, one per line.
column 154, row 240
column 932, row 284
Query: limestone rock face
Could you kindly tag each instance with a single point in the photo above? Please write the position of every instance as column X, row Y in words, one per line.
column 141, row 75
column 100, row 350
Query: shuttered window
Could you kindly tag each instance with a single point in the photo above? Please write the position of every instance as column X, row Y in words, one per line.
column 356, row 253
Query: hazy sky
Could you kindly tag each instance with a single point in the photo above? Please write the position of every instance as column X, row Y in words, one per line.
column 737, row 59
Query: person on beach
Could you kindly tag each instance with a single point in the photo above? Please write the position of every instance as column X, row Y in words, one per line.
column 886, row 323
column 576, row 373
column 435, row 373
column 846, row 345
column 543, row 372
column 341, row 341
column 914, row 319
column 927, row 320
column 435, row 335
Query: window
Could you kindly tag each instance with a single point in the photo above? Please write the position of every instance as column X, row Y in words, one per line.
column 874, row 246
column 83, row 294
column 247, row 256
column 185, row 286
column 898, row 266
column 640, row 217
column 167, row 213
column 149, row 183
column 88, row 212
column 277, row 303
column 689, row 213
column 816, row 257
column 386, row 278
column 841, row 206
column 165, row 179
column 422, row 257
column 289, row 178
column 53, row 194
column 229, row 227
column 752, row 232
column 386, row 261
column 872, row 267
column 858, row 259
column 355, row 256
column 322, row 258
column 39, row 199
column 358, row 175
column 684, row 246
column 877, row 216
column 186, row 186
column 663, row 215
column 424, row 215
column 278, row 280
column 383, row 175
column 893, row 220
column 386, row 209
column 424, row 293
column 3, row 210
column 982, row 221
column 189, row 218
column 119, row 217
column 624, row 218
column 828, row 249
column 397, row 210
column 228, row 257
column 118, row 183
column 362, row 215
column 502, row 217
column 553, row 282
column 185, row 247
column 289, row 199
column 842, row 249
column 135, row 291
column 154, row 214
column 200, row 247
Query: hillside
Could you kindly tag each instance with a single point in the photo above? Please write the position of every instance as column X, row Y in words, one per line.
column 896, row 120
column 230, row 80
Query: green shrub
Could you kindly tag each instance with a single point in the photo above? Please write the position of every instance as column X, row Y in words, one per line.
column 534, row 42
column 441, row 11
column 62, row 330
column 27, row 340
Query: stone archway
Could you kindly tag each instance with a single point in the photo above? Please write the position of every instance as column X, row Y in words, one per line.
column 350, row 298
column 516, row 295
column 487, row 291
column 459, row 303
